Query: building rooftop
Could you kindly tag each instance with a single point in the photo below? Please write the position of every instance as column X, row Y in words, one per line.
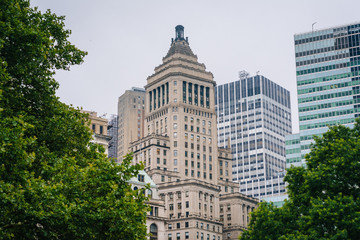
column 180, row 44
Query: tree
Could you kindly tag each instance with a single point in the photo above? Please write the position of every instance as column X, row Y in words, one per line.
column 324, row 197
column 54, row 184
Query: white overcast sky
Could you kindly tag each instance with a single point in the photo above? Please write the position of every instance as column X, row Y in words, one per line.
column 125, row 40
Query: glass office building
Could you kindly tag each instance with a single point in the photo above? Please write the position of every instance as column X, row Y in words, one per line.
column 328, row 82
column 254, row 117
column 293, row 150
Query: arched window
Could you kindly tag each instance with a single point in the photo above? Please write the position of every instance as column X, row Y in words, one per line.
column 135, row 188
column 153, row 232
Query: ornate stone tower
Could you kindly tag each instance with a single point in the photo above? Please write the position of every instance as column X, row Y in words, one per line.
column 180, row 150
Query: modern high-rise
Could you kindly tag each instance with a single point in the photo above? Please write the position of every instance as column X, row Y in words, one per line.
column 131, row 115
column 254, row 116
column 180, row 152
column 328, row 81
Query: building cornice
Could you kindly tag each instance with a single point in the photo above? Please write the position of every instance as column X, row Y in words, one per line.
column 238, row 196
column 178, row 73
column 186, row 182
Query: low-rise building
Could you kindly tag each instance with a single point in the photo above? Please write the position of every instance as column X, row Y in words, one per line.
column 99, row 125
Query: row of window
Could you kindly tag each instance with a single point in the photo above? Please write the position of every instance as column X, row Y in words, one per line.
column 329, row 114
column 315, row 38
column 197, row 93
column 323, row 59
column 192, row 129
column 328, row 96
column 292, row 151
column 293, row 160
column 327, row 68
column 101, row 128
column 198, row 236
column 328, row 78
column 353, row 82
column 256, row 195
column 231, row 94
column 192, row 172
column 157, row 115
column 159, row 96
column 327, row 123
column 330, row 105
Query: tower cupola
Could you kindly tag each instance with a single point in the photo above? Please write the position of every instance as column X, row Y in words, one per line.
column 179, row 32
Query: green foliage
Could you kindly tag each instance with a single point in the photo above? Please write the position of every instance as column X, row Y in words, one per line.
column 324, row 197
column 54, row 184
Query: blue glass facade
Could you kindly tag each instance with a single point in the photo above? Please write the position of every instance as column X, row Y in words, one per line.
column 328, row 80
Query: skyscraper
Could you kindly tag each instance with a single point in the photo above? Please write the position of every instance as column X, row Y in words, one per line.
column 131, row 116
column 180, row 152
column 254, row 115
column 328, row 82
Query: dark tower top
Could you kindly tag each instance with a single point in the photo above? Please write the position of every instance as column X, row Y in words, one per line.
column 179, row 32
column 180, row 44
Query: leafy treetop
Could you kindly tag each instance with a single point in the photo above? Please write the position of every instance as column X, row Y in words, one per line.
column 324, row 197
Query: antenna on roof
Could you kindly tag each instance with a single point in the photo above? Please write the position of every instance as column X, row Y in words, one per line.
column 312, row 26
column 243, row 74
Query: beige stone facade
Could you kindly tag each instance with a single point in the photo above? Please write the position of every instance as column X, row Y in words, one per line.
column 155, row 219
column 131, row 119
column 98, row 126
column 180, row 152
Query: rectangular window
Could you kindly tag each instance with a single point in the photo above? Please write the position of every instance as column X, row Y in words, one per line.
column 141, row 178
column 196, row 94
column 150, row 98
column 163, row 94
column 184, row 92
column 207, row 94
column 202, row 96
column 190, row 92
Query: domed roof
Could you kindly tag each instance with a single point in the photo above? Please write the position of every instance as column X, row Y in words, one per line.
column 180, row 44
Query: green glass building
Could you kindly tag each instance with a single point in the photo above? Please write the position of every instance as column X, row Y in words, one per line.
column 328, row 81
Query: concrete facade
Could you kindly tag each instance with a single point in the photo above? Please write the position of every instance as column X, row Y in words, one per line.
column 155, row 219
column 130, row 119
